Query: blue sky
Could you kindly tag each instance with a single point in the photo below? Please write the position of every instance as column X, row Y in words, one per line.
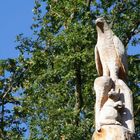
column 16, row 17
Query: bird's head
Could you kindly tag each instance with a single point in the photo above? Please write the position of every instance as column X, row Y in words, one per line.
column 100, row 23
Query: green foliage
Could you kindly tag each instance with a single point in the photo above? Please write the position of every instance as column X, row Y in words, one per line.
column 134, row 77
column 10, row 118
column 56, row 69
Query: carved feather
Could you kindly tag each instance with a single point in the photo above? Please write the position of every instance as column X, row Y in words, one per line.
column 119, row 47
column 98, row 62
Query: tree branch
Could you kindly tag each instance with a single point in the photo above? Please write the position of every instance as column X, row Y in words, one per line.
column 131, row 33
column 78, row 92
column 88, row 4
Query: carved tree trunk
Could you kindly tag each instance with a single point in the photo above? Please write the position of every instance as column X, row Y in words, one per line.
column 113, row 132
column 107, row 126
column 114, row 119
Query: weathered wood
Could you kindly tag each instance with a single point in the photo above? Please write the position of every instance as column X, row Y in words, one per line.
column 110, row 55
column 127, row 113
column 106, row 116
column 114, row 119
column 102, row 86
column 113, row 132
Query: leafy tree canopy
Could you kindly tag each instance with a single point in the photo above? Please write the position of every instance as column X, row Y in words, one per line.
column 56, row 70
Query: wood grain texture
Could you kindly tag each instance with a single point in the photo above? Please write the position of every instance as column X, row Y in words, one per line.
column 113, row 132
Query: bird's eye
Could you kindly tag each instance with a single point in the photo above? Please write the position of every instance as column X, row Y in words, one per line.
column 102, row 19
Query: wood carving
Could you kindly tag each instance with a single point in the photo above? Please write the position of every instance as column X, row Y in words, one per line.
column 114, row 118
column 113, row 132
column 110, row 54
column 109, row 113
column 102, row 86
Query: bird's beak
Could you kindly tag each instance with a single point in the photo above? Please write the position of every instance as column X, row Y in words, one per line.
column 100, row 24
column 98, row 21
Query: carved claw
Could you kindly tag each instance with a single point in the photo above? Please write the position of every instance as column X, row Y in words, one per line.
column 118, row 123
column 118, row 104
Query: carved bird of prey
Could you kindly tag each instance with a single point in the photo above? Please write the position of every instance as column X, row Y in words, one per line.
column 110, row 54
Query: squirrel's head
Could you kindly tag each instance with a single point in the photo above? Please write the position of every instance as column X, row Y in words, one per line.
column 114, row 95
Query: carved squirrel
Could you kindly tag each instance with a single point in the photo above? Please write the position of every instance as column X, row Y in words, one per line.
column 109, row 113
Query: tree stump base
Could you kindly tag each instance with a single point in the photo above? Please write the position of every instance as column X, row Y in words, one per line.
column 113, row 132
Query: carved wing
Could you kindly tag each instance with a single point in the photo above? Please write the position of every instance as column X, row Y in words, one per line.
column 121, row 56
column 98, row 62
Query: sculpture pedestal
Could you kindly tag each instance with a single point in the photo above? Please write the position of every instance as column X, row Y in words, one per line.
column 113, row 132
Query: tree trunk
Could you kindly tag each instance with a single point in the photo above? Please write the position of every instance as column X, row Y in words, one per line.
column 78, row 92
column 113, row 132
